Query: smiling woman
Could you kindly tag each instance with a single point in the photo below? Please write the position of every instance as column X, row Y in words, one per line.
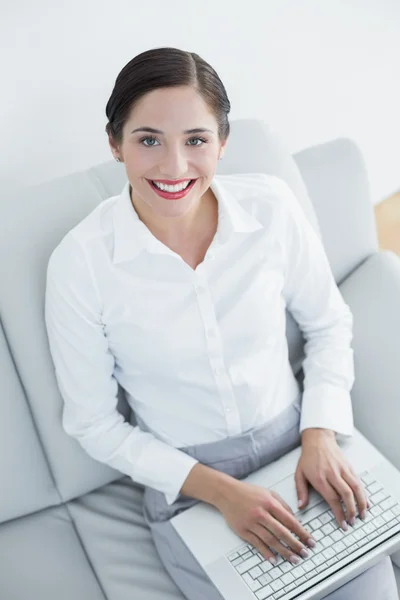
column 201, row 349
column 178, row 100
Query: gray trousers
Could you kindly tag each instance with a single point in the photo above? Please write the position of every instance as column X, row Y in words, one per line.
column 239, row 456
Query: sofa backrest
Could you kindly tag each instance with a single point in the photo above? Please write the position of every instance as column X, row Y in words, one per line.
column 40, row 464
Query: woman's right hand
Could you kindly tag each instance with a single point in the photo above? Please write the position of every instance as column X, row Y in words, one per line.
column 262, row 518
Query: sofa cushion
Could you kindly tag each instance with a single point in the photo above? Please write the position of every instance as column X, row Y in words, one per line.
column 26, row 482
column 110, row 524
column 36, row 221
column 41, row 557
column 337, row 181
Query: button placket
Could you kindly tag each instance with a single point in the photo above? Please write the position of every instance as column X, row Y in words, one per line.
column 228, row 402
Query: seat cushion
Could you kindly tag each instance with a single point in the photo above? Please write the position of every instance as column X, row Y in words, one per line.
column 110, row 523
column 41, row 557
column 397, row 575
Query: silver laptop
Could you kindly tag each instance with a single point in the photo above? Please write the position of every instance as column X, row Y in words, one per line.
column 239, row 571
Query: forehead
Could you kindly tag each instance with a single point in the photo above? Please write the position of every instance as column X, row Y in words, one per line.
column 167, row 108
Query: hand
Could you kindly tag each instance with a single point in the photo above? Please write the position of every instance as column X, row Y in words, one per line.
column 262, row 518
column 323, row 464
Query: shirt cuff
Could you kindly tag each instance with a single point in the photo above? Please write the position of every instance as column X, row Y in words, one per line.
column 329, row 407
column 163, row 467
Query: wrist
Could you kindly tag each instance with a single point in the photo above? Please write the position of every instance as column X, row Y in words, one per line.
column 207, row 484
column 225, row 484
column 313, row 434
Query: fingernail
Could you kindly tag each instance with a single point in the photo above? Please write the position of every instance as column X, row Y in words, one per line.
column 311, row 542
column 352, row 520
column 294, row 559
column 344, row 525
column 363, row 515
column 273, row 560
column 304, row 553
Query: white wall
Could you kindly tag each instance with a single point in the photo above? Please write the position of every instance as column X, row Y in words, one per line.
column 313, row 69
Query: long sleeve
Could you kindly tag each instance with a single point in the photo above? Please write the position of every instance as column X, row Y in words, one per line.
column 84, row 371
column 315, row 301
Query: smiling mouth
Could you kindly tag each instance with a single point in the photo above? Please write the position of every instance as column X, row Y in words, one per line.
column 172, row 195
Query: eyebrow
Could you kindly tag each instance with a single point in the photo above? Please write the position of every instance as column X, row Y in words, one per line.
column 152, row 130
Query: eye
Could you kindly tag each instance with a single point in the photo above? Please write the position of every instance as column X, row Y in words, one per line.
column 202, row 140
column 199, row 139
column 147, row 138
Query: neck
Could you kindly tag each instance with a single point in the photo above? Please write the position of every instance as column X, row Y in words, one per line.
column 180, row 229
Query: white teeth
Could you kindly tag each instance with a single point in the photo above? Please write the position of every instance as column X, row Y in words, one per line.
column 171, row 188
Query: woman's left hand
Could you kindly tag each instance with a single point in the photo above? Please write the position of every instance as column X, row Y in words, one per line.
column 325, row 467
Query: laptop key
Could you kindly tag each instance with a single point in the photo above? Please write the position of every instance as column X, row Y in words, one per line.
column 327, row 541
column 318, row 559
column 315, row 523
column 311, row 574
column 327, row 529
column 276, row 572
column 367, row 478
column 246, row 565
column 387, row 516
column 255, row 572
column 233, row 556
column 287, row 578
column 297, row 571
column 322, row 567
column 388, row 503
column 266, row 592
column 277, row 585
column 253, row 584
column 266, row 566
column 264, row 579
column 374, row 487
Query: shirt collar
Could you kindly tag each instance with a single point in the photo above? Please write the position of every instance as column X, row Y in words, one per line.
column 131, row 235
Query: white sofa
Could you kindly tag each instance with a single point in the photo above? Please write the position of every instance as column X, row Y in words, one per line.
column 71, row 527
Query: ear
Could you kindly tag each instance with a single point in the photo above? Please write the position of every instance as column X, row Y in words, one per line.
column 113, row 146
column 223, row 148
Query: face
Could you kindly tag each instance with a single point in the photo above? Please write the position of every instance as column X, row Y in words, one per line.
column 171, row 155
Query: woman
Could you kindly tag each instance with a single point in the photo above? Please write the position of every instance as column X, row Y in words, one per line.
column 176, row 289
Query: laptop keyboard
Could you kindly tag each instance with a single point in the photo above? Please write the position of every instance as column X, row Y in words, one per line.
column 334, row 549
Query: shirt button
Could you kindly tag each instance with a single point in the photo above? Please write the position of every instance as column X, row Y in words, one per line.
column 211, row 332
column 227, row 410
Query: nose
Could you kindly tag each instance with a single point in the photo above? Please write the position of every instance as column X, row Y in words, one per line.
column 173, row 164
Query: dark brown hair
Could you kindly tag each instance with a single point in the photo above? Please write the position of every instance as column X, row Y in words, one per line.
column 165, row 67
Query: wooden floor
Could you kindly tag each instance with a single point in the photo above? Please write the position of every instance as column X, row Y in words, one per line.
column 387, row 216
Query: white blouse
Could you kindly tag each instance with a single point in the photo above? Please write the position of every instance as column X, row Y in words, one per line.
column 202, row 354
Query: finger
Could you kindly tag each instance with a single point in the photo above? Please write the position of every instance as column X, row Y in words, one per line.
column 347, row 495
column 334, row 501
column 359, row 492
column 283, row 533
column 260, row 546
column 355, row 476
column 281, row 500
column 292, row 524
column 273, row 542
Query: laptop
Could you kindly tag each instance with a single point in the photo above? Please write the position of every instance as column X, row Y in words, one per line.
column 240, row 572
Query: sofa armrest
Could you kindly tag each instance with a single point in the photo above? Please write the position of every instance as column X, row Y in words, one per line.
column 372, row 292
column 336, row 178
